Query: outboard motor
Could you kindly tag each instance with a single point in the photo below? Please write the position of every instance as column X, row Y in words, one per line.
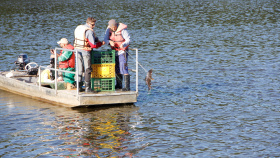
column 22, row 61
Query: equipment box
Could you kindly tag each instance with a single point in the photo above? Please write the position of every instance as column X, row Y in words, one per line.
column 103, row 84
column 102, row 57
column 103, row 70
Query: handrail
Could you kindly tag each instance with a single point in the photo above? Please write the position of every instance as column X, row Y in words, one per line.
column 77, row 70
column 136, row 61
column 58, row 70
column 55, row 79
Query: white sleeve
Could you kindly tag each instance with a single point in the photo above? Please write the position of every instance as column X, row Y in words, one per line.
column 126, row 36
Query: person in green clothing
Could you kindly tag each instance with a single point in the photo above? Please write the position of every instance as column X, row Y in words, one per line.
column 66, row 60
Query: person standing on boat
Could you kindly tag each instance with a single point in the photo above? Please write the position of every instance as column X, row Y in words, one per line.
column 84, row 41
column 118, row 38
column 66, row 60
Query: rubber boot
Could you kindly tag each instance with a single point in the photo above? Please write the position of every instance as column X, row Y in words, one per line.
column 80, row 87
column 88, row 87
column 119, row 79
column 126, row 83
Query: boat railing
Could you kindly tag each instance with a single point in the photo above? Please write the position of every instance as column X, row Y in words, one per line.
column 77, row 70
column 58, row 70
column 136, row 67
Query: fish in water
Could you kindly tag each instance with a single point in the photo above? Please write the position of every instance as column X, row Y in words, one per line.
column 149, row 78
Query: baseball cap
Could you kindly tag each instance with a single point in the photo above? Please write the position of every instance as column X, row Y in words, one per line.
column 63, row 40
column 112, row 23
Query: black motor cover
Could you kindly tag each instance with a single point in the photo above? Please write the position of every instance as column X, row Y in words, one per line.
column 22, row 61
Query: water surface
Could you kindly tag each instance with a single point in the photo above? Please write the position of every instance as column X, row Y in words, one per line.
column 215, row 93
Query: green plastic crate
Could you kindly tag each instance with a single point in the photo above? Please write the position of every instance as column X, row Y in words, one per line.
column 103, row 57
column 103, row 84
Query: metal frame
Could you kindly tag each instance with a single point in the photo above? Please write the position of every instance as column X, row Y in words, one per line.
column 136, row 62
column 58, row 70
column 77, row 70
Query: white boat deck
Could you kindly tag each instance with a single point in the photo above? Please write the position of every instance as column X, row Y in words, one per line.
column 68, row 98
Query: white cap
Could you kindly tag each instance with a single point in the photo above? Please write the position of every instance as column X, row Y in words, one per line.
column 63, row 40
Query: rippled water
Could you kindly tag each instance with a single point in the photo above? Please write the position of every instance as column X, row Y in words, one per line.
column 215, row 93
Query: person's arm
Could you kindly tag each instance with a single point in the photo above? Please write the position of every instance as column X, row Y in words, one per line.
column 91, row 39
column 106, row 37
column 65, row 55
column 126, row 36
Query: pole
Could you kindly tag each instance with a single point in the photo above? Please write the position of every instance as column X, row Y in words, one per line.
column 137, row 70
column 39, row 77
column 77, row 74
column 55, row 71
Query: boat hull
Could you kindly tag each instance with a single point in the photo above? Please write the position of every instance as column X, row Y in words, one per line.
column 68, row 98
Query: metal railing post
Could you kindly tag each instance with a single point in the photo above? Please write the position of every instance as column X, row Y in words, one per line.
column 77, row 74
column 55, row 71
column 58, row 70
column 39, row 77
column 136, row 70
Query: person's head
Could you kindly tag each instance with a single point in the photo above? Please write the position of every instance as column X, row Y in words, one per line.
column 63, row 42
column 113, row 25
column 91, row 22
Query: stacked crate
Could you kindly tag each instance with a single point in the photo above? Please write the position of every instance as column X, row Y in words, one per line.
column 103, row 70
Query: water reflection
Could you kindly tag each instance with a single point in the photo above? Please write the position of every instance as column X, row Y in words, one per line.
column 99, row 132
column 102, row 132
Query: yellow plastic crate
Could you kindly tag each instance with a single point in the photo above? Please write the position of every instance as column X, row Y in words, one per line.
column 103, row 70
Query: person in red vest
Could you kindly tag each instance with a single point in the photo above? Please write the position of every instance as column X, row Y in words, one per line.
column 118, row 38
column 66, row 60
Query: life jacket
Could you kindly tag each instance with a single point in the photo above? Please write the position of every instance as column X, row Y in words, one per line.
column 117, row 38
column 80, row 41
column 70, row 62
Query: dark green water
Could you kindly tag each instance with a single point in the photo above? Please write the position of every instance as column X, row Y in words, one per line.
column 215, row 93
